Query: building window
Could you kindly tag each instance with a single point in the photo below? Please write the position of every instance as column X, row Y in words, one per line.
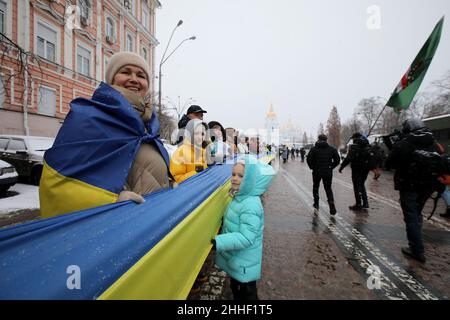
column 2, row 17
column 85, row 8
column 83, row 61
column 110, row 30
column 46, row 42
column 47, row 101
column 130, row 43
column 145, row 16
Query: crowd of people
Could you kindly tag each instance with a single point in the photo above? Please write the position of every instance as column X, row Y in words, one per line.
column 202, row 144
column 293, row 152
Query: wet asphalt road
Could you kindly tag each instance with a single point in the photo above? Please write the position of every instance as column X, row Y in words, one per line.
column 309, row 254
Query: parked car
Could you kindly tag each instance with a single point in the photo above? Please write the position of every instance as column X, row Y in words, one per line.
column 8, row 176
column 26, row 154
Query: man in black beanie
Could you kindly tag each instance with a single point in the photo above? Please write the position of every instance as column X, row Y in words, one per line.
column 322, row 159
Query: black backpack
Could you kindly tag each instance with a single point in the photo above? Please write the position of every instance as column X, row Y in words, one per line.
column 366, row 157
column 427, row 166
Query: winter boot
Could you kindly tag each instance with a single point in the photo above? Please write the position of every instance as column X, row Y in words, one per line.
column 408, row 252
column 355, row 207
column 316, row 205
column 332, row 208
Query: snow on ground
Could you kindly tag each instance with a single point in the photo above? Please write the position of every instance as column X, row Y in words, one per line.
column 27, row 198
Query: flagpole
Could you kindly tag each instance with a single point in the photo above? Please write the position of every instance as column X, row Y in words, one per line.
column 371, row 128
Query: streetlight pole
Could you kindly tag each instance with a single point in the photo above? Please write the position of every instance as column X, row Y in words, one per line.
column 163, row 59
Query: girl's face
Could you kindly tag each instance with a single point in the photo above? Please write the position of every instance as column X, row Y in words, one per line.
column 132, row 78
column 218, row 133
column 199, row 135
column 236, row 176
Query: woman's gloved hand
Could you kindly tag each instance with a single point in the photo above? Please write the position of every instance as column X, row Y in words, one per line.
column 130, row 195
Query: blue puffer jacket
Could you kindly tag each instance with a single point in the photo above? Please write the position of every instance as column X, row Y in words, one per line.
column 239, row 246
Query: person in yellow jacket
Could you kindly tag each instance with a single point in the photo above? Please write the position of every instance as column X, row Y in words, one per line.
column 189, row 158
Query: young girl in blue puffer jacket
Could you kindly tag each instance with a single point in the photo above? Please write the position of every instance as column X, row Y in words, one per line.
column 239, row 246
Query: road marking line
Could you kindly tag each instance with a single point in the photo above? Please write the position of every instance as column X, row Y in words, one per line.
column 417, row 288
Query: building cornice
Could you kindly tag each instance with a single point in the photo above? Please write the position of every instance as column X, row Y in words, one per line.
column 46, row 8
column 92, row 40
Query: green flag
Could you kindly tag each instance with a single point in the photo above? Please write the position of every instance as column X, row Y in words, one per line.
column 409, row 84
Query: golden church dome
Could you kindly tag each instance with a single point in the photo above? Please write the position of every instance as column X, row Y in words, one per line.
column 271, row 113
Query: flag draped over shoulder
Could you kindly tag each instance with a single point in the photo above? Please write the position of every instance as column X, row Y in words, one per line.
column 409, row 84
column 93, row 152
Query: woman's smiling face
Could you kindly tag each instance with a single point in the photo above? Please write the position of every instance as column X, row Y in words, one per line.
column 132, row 78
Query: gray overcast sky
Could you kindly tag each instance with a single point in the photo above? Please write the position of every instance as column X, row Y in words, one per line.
column 302, row 56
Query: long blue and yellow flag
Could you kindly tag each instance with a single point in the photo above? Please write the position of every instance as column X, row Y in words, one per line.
column 117, row 251
column 93, row 152
column 122, row 250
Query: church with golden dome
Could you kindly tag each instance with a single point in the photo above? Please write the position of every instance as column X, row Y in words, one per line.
column 272, row 128
column 286, row 134
column 271, row 120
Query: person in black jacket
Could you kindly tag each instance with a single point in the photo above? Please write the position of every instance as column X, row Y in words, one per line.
column 414, row 183
column 302, row 154
column 194, row 112
column 357, row 157
column 322, row 159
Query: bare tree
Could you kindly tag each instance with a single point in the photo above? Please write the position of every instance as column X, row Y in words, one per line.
column 349, row 127
column 334, row 128
column 11, row 52
column 167, row 124
column 368, row 110
column 440, row 103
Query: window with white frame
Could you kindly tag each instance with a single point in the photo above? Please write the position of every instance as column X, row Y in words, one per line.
column 110, row 29
column 46, row 42
column 130, row 43
column 144, row 53
column 145, row 17
column 83, row 60
column 47, row 101
column 3, row 16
